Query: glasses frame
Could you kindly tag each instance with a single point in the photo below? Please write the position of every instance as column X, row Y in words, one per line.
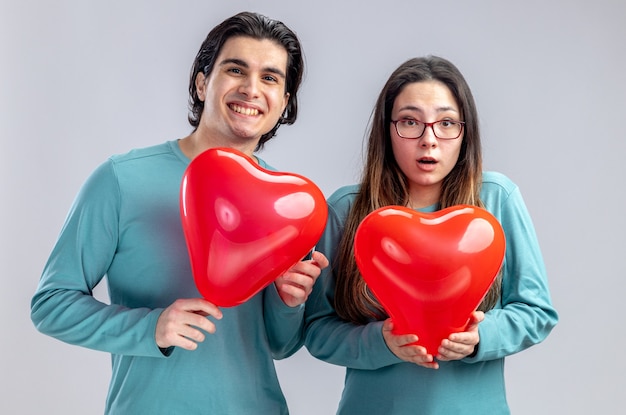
column 432, row 127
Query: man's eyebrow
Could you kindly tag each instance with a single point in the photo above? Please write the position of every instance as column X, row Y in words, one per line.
column 244, row 64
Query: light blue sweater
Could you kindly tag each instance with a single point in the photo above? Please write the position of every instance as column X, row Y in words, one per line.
column 377, row 382
column 125, row 224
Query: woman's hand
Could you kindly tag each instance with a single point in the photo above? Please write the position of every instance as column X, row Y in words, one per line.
column 295, row 285
column 182, row 323
column 461, row 345
column 404, row 347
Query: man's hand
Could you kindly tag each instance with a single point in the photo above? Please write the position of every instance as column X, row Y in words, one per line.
column 295, row 285
column 182, row 323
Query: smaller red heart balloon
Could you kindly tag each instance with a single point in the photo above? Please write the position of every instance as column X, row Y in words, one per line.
column 429, row 271
column 245, row 225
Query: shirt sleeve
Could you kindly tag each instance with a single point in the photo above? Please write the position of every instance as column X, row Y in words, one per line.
column 284, row 325
column 525, row 315
column 63, row 305
column 330, row 338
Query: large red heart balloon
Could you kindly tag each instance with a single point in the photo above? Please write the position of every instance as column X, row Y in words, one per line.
column 429, row 271
column 245, row 225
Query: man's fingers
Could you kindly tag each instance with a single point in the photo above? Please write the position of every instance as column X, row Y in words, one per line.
column 184, row 322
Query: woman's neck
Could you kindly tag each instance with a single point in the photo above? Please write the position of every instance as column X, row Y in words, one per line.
column 424, row 197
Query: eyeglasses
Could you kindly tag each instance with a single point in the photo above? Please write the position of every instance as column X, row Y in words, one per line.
column 444, row 129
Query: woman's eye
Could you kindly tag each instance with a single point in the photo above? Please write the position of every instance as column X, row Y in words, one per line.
column 448, row 123
column 410, row 123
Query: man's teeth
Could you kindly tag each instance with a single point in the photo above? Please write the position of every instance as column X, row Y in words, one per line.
column 244, row 111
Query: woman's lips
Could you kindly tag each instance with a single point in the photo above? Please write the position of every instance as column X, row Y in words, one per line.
column 427, row 163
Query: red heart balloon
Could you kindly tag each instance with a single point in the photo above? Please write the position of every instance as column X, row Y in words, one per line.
column 429, row 271
column 245, row 225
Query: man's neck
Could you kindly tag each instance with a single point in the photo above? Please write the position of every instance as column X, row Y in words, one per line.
column 195, row 143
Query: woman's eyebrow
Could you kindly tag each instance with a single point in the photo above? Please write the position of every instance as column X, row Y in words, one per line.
column 418, row 109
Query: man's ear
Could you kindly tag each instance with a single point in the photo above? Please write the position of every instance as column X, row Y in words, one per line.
column 201, row 86
column 285, row 102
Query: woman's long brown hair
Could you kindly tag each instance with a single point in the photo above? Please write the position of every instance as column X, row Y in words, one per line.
column 384, row 184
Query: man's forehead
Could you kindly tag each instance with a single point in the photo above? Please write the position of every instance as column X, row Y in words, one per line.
column 247, row 51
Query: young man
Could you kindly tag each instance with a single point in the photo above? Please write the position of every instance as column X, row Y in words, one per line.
column 125, row 223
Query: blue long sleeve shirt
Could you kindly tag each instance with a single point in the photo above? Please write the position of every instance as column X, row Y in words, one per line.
column 377, row 382
column 125, row 224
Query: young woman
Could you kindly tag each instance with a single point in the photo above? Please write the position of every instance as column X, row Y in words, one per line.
column 424, row 152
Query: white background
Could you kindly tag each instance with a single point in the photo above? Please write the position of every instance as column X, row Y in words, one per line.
column 81, row 80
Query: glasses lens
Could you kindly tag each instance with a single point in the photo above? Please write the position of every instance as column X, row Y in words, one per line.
column 410, row 128
column 447, row 129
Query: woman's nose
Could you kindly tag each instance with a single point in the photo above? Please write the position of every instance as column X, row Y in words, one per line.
column 428, row 139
